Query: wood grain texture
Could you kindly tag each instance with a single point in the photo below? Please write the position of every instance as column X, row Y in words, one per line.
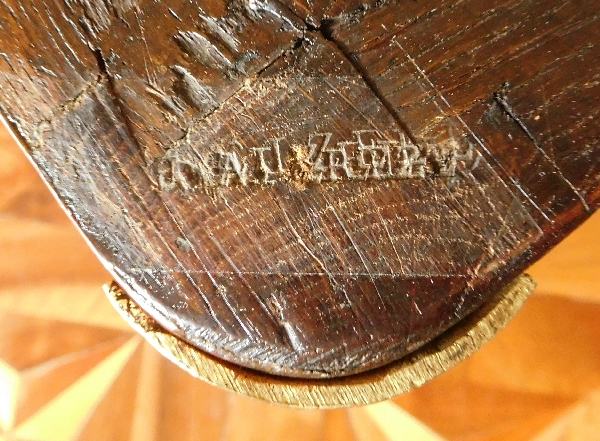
column 311, row 190
column 495, row 393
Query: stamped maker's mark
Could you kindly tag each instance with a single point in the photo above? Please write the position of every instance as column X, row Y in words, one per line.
column 365, row 155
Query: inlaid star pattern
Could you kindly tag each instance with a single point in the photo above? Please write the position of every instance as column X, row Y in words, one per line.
column 71, row 369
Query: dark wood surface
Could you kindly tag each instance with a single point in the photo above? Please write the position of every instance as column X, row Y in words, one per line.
column 542, row 374
column 314, row 189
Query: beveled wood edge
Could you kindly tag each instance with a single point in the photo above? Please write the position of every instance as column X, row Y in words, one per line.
column 380, row 384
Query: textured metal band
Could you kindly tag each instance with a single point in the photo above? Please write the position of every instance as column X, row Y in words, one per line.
column 396, row 378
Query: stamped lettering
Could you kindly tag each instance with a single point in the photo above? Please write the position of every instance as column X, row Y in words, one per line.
column 365, row 155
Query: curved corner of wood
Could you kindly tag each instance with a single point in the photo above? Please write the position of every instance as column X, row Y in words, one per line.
column 398, row 377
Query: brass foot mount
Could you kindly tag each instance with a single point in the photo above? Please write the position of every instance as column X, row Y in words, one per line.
column 396, row 378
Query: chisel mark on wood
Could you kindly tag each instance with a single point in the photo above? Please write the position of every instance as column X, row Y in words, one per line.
column 100, row 12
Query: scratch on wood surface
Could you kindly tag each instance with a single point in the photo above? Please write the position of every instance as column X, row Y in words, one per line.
column 477, row 139
column 246, row 84
column 327, row 32
column 168, row 246
column 64, row 109
column 147, row 57
column 187, row 273
column 491, row 62
column 356, row 249
column 352, row 105
column 415, row 275
column 303, row 245
column 99, row 13
column 502, row 100
column 237, row 271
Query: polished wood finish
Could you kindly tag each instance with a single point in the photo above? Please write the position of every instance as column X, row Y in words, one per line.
column 311, row 190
